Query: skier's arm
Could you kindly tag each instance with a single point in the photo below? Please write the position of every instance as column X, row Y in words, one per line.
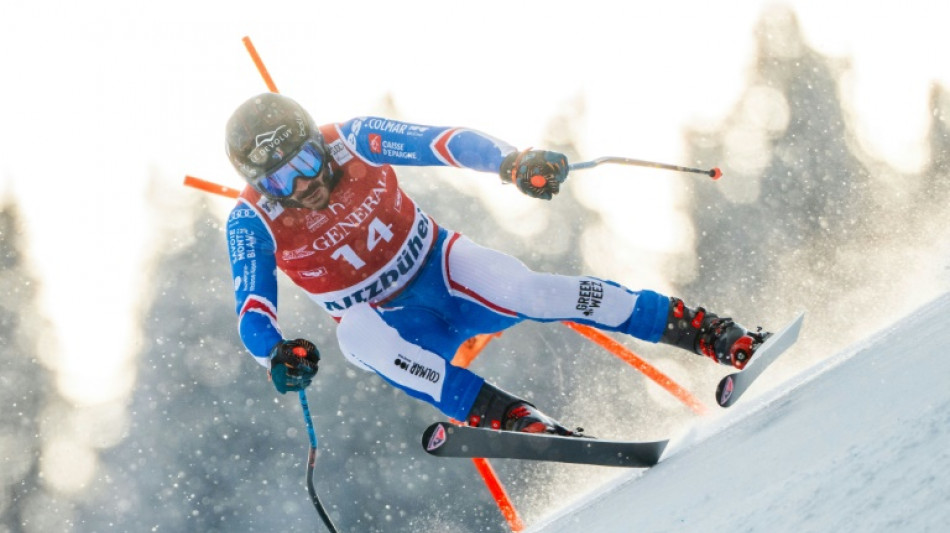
column 291, row 364
column 253, row 270
column 386, row 141
column 537, row 173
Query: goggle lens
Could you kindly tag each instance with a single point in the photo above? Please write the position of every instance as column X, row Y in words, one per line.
column 306, row 164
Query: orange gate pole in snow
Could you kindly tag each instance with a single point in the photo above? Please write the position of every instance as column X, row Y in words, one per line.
column 650, row 371
column 211, row 187
column 464, row 357
column 259, row 64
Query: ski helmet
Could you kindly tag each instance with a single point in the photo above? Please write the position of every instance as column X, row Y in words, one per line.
column 265, row 132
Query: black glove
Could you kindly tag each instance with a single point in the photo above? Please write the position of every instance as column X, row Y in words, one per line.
column 537, row 173
column 293, row 364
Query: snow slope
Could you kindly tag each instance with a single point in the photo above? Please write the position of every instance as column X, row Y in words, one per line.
column 860, row 443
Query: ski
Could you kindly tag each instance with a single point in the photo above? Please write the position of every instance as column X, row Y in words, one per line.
column 447, row 440
column 734, row 385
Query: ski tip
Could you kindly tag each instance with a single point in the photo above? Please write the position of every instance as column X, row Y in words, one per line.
column 794, row 328
column 434, row 437
column 648, row 455
column 660, row 448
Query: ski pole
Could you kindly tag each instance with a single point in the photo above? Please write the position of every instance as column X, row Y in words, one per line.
column 713, row 173
column 311, row 461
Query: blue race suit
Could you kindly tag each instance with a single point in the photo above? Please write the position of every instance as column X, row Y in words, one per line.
column 406, row 292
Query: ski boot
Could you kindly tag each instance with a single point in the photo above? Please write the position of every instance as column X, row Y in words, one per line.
column 704, row 333
column 497, row 409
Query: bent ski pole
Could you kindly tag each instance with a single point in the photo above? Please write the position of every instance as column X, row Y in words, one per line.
column 713, row 173
column 311, row 461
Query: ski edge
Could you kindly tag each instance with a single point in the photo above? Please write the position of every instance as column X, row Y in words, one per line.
column 437, row 441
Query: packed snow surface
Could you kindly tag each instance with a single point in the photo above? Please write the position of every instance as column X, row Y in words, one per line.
column 859, row 443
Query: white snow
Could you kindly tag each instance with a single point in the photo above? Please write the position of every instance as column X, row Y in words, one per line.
column 858, row 443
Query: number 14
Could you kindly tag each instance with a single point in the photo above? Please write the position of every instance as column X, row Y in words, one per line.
column 376, row 232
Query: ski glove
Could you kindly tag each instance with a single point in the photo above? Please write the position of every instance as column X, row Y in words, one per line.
column 293, row 364
column 537, row 173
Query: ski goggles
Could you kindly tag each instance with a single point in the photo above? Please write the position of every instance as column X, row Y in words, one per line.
column 307, row 164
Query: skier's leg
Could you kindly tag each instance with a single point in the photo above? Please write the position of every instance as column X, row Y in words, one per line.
column 370, row 343
column 422, row 328
column 504, row 284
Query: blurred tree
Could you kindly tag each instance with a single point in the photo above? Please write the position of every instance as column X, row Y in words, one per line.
column 936, row 177
column 26, row 392
column 795, row 183
column 805, row 218
column 201, row 446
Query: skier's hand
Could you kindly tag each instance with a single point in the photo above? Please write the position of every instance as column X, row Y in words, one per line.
column 537, row 173
column 293, row 364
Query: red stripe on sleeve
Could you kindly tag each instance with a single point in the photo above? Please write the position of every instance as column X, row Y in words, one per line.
column 441, row 147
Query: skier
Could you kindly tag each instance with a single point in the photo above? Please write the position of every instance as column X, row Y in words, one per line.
column 323, row 205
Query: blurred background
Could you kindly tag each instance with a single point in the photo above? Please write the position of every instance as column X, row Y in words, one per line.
column 127, row 402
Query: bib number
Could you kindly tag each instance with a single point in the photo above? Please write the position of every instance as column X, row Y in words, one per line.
column 376, row 233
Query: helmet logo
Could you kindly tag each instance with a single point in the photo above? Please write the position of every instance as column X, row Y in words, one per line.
column 267, row 136
column 301, row 125
column 268, row 141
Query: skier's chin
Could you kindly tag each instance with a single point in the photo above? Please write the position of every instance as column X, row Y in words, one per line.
column 318, row 198
column 317, row 202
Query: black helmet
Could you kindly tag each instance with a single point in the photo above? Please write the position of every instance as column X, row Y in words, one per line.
column 265, row 132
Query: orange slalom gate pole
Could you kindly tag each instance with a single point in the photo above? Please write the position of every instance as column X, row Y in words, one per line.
column 647, row 369
column 497, row 490
column 471, row 348
column 211, row 187
column 259, row 64
column 498, row 493
column 464, row 357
